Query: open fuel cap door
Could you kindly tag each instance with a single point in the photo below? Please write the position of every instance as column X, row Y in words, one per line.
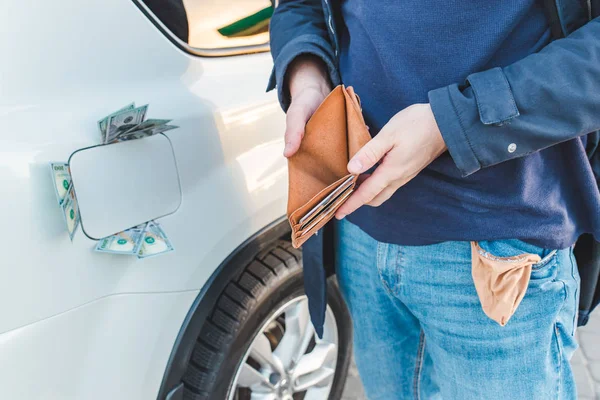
column 125, row 184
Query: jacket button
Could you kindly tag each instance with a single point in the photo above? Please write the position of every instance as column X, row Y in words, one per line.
column 512, row 147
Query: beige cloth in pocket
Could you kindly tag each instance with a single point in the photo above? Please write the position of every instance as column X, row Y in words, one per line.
column 501, row 282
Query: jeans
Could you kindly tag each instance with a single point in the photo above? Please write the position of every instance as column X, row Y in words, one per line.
column 420, row 332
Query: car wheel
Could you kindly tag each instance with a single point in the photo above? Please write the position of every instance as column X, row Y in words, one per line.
column 259, row 344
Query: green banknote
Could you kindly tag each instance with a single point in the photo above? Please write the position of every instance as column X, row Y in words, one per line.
column 103, row 123
column 140, row 134
column 155, row 241
column 147, row 124
column 127, row 242
column 147, row 128
column 61, row 178
column 71, row 212
column 124, row 121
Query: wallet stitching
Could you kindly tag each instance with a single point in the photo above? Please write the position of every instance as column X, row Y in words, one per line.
column 357, row 109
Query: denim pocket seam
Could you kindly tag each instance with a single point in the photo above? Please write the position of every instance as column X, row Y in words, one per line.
column 519, row 257
column 419, row 366
column 398, row 269
column 558, row 358
column 510, row 259
column 576, row 294
column 382, row 255
column 566, row 293
column 544, row 261
column 379, row 256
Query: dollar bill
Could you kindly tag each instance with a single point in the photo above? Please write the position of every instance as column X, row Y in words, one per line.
column 103, row 123
column 139, row 134
column 126, row 242
column 71, row 212
column 147, row 124
column 124, row 121
column 61, row 178
column 155, row 241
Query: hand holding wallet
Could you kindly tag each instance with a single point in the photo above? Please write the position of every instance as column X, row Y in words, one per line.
column 319, row 182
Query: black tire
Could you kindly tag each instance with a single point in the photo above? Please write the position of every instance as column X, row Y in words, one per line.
column 269, row 281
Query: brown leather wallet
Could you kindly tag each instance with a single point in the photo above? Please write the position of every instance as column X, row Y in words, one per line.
column 319, row 182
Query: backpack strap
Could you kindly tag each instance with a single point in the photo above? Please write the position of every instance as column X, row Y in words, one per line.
column 553, row 18
column 594, row 8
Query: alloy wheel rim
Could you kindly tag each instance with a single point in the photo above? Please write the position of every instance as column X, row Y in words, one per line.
column 286, row 360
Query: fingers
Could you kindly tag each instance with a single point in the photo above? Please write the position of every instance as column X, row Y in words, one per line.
column 296, row 119
column 371, row 153
column 386, row 193
column 361, row 179
column 365, row 193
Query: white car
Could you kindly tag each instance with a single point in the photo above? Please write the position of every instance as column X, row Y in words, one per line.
column 224, row 316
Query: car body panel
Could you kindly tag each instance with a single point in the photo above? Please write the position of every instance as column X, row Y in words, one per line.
column 107, row 349
column 68, row 64
column 140, row 183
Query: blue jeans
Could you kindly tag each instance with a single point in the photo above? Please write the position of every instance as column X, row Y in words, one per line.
column 420, row 332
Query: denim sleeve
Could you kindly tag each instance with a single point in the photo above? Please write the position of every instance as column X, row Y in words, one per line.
column 298, row 27
column 544, row 99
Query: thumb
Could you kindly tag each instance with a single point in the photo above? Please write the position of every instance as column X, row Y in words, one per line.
column 370, row 154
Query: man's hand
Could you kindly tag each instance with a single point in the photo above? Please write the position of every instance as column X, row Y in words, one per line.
column 409, row 142
column 309, row 85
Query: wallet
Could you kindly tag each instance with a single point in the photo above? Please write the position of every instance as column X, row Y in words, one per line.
column 319, row 182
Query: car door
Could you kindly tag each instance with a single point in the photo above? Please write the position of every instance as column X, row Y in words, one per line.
column 100, row 325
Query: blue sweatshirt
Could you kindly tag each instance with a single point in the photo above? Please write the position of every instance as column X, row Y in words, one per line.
column 393, row 53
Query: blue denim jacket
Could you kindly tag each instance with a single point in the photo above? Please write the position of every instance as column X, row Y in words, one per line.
column 478, row 119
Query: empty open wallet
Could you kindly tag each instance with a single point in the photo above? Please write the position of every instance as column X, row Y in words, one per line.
column 319, row 182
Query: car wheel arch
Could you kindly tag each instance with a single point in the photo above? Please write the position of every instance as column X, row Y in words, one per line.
column 171, row 386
